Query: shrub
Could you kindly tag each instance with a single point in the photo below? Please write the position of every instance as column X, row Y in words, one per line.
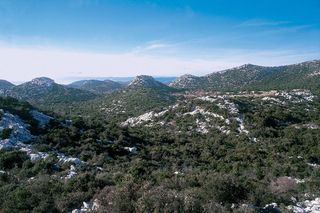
column 5, row 134
column 11, row 159
column 225, row 189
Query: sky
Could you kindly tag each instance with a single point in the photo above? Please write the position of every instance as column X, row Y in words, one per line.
column 72, row 39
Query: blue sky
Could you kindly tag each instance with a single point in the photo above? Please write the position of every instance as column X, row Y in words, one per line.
column 87, row 38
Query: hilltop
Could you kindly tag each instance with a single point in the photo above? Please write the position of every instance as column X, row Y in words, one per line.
column 44, row 92
column 253, row 77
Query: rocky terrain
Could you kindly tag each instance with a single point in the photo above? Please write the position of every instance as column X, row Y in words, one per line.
column 20, row 135
column 219, row 112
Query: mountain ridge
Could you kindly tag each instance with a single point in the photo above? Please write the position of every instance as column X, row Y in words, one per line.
column 249, row 76
column 44, row 91
column 305, row 75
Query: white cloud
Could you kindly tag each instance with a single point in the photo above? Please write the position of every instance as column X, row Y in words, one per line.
column 152, row 47
column 156, row 46
column 22, row 64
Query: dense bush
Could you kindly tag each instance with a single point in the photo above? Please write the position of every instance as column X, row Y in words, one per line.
column 175, row 169
column 5, row 134
column 12, row 159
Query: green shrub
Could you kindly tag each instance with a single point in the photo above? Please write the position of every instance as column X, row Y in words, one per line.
column 5, row 134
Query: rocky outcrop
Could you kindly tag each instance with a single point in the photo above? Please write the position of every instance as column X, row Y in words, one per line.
column 88, row 207
column 42, row 81
column 41, row 118
column 308, row 206
column 19, row 131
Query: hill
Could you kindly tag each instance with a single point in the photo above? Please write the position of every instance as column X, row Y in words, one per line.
column 187, row 82
column 97, row 86
column 5, row 84
column 45, row 92
column 252, row 77
column 148, row 82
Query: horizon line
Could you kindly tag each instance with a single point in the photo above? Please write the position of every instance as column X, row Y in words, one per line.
column 70, row 79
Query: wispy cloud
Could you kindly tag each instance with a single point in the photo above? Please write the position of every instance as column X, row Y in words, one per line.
column 285, row 30
column 156, row 46
column 153, row 46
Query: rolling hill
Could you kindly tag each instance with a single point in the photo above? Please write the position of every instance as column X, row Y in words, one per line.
column 97, row 86
column 44, row 91
column 304, row 75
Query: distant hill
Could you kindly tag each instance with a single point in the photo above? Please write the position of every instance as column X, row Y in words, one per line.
column 187, row 82
column 97, row 86
column 45, row 91
column 303, row 75
column 5, row 84
column 142, row 94
column 145, row 81
column 164, row 80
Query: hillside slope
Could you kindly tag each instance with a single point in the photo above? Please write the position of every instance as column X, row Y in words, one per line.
column 5, row 84
column 96, row 86
column 44, row 91
column 304, row 75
